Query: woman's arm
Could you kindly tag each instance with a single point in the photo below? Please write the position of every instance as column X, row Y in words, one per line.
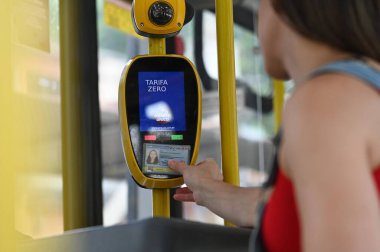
column 206, row 188
column 325, row 147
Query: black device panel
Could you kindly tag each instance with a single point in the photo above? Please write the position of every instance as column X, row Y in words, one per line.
column 162, row 112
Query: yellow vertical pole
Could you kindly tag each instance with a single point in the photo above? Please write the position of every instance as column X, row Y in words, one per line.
column 278, row 101
column 8, row 150
column 7, row 163
column 161, row 203
column 161, row 197
column 227, row 92
column 157, row 46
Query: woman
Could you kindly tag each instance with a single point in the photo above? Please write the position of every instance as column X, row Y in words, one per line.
column 327, row 192
column 152, row 157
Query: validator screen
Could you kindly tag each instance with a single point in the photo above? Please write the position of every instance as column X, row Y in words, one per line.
column 162, row 101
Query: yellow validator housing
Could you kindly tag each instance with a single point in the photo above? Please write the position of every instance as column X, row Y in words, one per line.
column 160, row 117
column 158, row 18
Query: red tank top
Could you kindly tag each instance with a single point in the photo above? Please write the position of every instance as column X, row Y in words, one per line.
column 281, row 227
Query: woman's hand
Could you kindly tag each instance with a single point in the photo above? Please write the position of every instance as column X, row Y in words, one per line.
column 197, row 178
column 206, row 188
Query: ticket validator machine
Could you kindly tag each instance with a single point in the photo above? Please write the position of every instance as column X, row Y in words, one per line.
column 159, row 102
column 159, row 109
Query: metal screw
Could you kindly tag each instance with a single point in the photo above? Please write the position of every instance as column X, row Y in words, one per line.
column 179, row 24
column 142, row 24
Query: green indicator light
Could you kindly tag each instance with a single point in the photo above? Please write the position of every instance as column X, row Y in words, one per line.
column 177, row 137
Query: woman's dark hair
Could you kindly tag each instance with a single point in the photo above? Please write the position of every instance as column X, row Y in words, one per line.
column 352, row 26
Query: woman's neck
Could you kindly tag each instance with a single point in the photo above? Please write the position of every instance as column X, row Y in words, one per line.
column 302, row 56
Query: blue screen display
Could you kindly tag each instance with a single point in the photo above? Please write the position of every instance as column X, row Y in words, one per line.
column 162, row 101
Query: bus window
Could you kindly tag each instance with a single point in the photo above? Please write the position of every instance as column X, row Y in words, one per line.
column 116, row 47
column 123, row 200
column 255, row 116
column 254, row 91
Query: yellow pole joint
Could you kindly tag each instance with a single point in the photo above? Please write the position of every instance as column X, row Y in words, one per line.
column 227, row 92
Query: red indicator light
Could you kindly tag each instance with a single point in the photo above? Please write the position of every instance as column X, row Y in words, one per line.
column 150, row 138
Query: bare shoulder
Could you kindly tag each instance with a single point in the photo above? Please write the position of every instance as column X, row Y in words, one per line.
column 329, row 127
column 335, row 93
column 334, row 107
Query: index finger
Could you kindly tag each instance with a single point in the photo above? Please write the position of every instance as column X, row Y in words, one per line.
column 177, row 166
